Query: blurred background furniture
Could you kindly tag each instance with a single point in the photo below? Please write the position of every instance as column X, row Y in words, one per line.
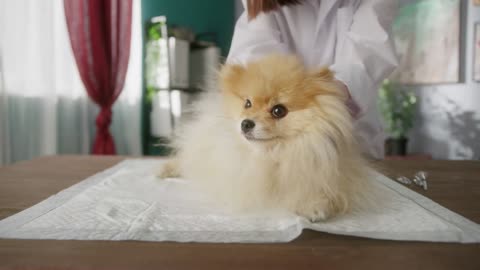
column 44, row 107
column 198, row 37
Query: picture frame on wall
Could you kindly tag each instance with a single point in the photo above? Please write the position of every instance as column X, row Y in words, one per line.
column 476, row 53
column 427, row 39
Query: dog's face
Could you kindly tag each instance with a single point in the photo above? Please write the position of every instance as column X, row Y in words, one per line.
column 274, row 99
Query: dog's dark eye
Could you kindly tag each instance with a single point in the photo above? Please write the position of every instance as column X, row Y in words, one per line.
column 248, row 104
column 279, row 111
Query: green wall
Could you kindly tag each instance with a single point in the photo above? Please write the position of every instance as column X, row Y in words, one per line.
column 200, row 15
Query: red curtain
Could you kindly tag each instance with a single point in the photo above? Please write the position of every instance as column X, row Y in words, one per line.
column 100, row 36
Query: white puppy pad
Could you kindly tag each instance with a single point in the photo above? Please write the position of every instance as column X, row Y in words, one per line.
column 128, row 202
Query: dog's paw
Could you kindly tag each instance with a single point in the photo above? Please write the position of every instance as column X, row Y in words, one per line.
column 315, row 215
column 315, row 212
column 169, row 170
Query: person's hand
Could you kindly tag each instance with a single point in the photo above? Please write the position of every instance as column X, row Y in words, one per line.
column 343, row 88
column 351, row 104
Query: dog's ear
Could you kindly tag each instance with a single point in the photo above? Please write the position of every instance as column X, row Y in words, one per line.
column 324, row 74
column 326, row 83
column 230, row 75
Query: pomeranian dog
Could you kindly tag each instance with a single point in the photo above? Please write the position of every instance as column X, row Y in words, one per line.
column 274, row 135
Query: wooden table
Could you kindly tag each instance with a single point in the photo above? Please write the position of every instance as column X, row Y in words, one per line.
column 453, row 184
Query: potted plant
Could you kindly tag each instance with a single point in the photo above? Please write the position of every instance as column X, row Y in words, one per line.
column 397, row 107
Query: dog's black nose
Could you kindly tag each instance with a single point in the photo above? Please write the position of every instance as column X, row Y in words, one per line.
column 247, row 125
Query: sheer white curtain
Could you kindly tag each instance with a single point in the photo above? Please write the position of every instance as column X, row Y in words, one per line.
column 44, row 108
column 4, row 138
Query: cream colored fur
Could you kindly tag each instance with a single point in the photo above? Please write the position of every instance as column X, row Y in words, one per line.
column 312, row 166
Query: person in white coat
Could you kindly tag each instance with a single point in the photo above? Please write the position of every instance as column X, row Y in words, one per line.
column 352, row 37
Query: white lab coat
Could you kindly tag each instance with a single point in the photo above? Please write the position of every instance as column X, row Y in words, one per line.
column 350, row 36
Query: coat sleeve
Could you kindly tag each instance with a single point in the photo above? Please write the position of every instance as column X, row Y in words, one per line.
column 255, row 38
column 364, row 54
